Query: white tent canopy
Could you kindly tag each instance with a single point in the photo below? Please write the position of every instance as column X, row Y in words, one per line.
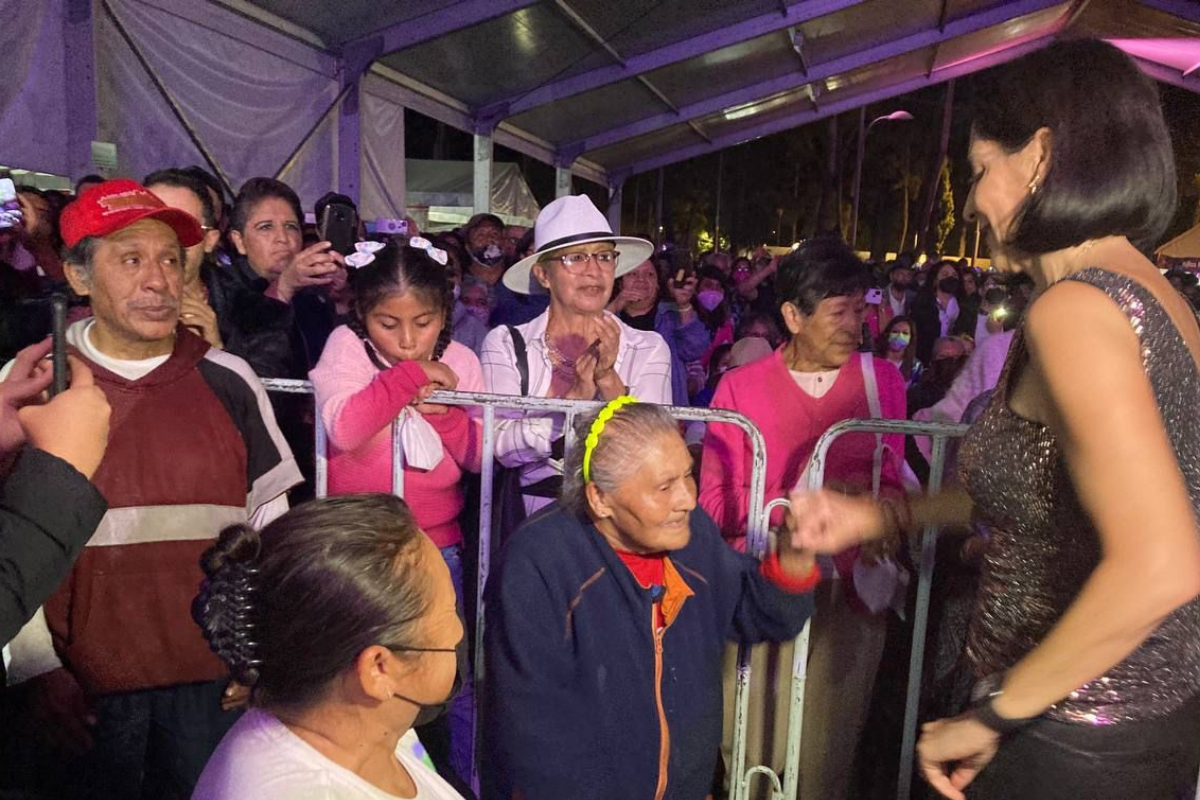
column 441, row 194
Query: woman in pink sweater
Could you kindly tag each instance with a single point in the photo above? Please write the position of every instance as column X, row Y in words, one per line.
column 383, row 365
column 814, row 381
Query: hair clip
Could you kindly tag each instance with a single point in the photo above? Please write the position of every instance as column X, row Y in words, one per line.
column 593, row 437
column 436, row 253
column 364, row 253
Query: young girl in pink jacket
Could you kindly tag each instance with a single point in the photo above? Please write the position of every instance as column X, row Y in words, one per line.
column 382, row 366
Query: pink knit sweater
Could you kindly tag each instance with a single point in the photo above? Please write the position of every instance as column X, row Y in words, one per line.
column 791, row 421
column 358, row 403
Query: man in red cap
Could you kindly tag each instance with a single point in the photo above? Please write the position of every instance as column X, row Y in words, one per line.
column 121, row 692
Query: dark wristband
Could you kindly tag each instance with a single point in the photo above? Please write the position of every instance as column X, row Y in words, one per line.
column 984, row 711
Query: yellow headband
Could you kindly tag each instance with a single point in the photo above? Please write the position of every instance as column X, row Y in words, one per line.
column 597, row 428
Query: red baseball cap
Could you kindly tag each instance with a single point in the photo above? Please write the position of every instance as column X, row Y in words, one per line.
column 108, row 207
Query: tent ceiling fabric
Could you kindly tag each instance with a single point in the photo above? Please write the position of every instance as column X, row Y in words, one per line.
column 633, row 84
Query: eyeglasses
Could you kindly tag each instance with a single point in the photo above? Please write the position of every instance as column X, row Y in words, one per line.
column 575, row 263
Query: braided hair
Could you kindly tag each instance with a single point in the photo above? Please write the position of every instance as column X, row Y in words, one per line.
column 290, row 608
column 399, row 269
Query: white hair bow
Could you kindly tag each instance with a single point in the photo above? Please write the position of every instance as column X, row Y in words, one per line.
column 436, row 253
column 364, row 253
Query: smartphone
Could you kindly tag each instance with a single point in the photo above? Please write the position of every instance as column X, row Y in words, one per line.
column 874, row 297
column 58, row 356
column 339, row 227
column 392, row 227
column 10, row 209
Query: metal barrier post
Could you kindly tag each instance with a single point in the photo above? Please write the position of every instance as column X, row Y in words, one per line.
column 397, row 460
column 916, row 662
column 486, row 483
column 940, row 433
column 322, row 459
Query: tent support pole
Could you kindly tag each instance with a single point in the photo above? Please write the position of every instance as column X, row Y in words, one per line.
column 82, row 125
column 616, row 190
column 482, row 196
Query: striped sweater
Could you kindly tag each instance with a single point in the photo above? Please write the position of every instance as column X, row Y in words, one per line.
column 193, row 447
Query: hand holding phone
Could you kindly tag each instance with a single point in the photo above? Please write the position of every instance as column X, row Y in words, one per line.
column 74, row 425
column 10, row 206
column 339, row 226
column 313, row 266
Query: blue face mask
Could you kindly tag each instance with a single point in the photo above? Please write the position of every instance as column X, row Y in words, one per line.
column 899, row 340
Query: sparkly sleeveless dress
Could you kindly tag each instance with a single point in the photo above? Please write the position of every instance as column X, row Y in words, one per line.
column 1044, row 546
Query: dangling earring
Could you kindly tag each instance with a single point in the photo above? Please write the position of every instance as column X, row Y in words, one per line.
column 1033, row 185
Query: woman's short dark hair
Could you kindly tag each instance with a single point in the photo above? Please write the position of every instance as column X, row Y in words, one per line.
column 253, row 192
column 821, row 268
column 1112, row 166
column 185, row 179
column 290, row 608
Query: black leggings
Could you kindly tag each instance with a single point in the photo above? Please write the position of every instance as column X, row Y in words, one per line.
column 1058, row 761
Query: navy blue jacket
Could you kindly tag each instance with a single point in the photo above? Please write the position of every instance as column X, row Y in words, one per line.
column 580, row 690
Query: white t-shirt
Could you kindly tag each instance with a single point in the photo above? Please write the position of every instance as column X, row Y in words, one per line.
column 815, row 384
column 260, row 758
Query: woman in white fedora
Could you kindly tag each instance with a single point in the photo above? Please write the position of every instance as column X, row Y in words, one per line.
column 575, row 349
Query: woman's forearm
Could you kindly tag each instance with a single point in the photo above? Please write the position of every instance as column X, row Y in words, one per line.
column 952, row 507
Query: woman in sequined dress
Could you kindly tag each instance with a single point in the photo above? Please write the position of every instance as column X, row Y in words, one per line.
column 1085, row 641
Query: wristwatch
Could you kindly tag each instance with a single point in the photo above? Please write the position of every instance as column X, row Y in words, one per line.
column 984, row 711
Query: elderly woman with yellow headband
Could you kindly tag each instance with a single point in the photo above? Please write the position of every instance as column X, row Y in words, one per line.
column 606, row 621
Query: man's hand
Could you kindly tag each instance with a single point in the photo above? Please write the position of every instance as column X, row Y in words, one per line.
column 57, row 712
column 74, row 425
column 197, row 314
column 313, row 266
column 30, row 376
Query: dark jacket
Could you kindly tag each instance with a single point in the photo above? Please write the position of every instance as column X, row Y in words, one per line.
column 48, row 511
column 278, row 340
column 583, row 698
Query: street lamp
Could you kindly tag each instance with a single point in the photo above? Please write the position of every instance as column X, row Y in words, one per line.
column 863, row 129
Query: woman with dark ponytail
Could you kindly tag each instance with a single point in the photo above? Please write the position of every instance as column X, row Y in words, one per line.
column 382, row 366
column 341, row 619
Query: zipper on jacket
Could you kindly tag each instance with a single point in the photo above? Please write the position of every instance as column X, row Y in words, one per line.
column 664, row 741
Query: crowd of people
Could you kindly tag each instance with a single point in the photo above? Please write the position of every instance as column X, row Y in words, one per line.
column 182, row 619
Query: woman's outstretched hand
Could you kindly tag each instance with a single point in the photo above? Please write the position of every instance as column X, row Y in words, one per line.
column 828, row 522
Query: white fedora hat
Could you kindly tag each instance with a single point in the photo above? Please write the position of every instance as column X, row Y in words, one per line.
column 569, row 221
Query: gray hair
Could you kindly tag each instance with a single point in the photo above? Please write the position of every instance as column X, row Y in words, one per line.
column 83, row 257
column 616, row 455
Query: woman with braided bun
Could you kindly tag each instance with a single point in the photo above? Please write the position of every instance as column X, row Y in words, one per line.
column 607, row 618
column 341, row 618
column 382, row 366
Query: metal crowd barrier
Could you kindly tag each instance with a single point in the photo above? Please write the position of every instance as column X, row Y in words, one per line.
column 756, row 532
column 758, row 525
column 940, row 435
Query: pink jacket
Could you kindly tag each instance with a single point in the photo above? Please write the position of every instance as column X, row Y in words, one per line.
column 358, row 402
column 791, row 422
